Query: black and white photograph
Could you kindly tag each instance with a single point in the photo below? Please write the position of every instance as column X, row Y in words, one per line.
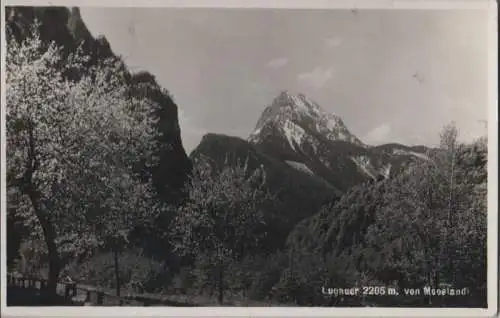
column 265, row 157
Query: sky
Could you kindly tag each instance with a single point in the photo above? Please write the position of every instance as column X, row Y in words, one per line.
column 391, row 75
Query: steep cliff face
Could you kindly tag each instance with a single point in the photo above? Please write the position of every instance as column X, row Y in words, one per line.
column 67, row 29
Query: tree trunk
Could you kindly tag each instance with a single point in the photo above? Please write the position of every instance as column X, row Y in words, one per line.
column 221, row 284
column 49, row 234
column 54, row 268
column 27, row 187
column 117, row 269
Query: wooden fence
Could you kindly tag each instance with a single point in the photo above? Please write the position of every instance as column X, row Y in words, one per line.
column 84, row 295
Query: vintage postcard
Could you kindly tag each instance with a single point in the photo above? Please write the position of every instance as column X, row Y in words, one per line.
column 251, row 158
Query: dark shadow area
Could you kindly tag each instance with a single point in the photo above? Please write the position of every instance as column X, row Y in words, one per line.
column 17, row 296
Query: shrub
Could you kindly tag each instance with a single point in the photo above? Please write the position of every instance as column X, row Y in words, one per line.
column 137, row 273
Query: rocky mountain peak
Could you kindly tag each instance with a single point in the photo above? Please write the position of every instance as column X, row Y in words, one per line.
column 296, row 103
column 296, row 114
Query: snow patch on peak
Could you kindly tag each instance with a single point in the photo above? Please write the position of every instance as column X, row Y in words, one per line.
column 293, row 133
column 332, row 122
column 300, row 166
column 299, row 103
column 334, row 129
column 312, row 106
column 256, row 131
column 308, row 101
column 255, row 135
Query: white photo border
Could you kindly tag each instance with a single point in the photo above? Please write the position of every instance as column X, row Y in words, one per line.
column 492, row 260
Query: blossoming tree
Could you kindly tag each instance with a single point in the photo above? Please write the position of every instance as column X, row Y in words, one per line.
column 77, row 147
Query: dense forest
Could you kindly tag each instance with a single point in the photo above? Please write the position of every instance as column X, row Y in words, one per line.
column 99, row 189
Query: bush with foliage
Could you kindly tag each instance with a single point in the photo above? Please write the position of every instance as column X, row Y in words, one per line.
column 138, row 273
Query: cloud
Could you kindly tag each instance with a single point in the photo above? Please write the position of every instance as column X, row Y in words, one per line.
column 316, row 78
column 334, row 41
column 278, row 62
column 378, row 135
